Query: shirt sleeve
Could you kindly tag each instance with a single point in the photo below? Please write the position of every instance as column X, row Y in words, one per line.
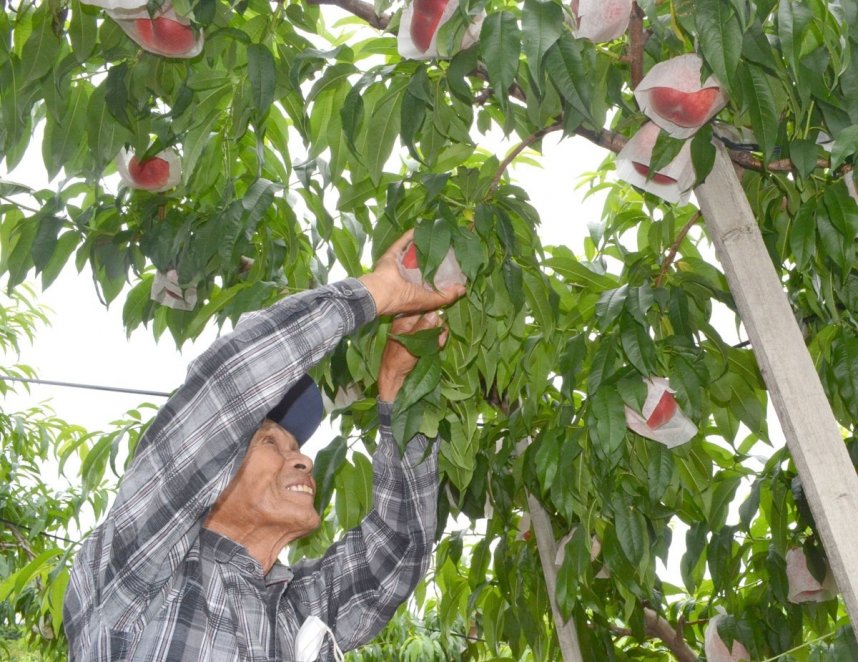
column 361, row 580
column 196, row 443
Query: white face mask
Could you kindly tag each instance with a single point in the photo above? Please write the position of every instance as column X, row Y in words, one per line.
column 309, row 640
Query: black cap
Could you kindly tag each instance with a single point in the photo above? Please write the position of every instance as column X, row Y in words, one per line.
column 300, row 411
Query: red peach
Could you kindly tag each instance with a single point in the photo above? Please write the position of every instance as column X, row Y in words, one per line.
column 663, row 412
column 165, row 35
column 686, row 109
column 424, row 21
column 149, row 173
column 409, row 258
column 658, row 178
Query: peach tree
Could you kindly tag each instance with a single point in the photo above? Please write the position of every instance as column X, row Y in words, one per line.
column 206, row 158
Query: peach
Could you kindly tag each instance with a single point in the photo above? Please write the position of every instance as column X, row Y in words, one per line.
column 165, row 35
column 157, row 173
column 686, row 109
column 663, row 412
column 672, row 95
column 658, row 178
column 152, row 172
column 424, row 21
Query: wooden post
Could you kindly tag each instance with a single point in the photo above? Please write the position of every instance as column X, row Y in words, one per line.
column 812, row 434
column 566, row 634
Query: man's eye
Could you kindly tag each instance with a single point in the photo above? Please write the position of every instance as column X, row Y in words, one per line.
column 268, row 440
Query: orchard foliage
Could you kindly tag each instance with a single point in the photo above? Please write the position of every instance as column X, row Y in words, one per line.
column 308, row 144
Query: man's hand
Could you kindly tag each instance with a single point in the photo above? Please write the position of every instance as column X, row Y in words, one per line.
column 394, row 295
column 396, row 361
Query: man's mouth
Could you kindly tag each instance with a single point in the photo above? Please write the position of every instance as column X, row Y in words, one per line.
column 306, row 489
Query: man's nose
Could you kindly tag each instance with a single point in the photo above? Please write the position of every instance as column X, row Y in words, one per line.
column 302, row 462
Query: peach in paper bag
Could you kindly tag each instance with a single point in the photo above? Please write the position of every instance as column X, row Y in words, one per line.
column 600, row 20
column 164, row 33
column 672, row 183
column 661, row 419
column 715, row 648
column 421, row 20
column 672, row 95
column 155, row 174
column 448, row 273
column 167, row 292
column 803, row 586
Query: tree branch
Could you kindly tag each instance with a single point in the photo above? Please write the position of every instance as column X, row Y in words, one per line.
column 659, row 627
column 637, row 41
column 524, row 144
column 23, row 543
column 674, row 247
column 361, row 9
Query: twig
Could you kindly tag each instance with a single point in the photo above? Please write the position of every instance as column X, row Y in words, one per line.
column 674, row 247
column 524, row 144
column 637, row 40
column 23, row 543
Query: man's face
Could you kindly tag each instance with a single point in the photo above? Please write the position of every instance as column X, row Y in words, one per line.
column 274, row 487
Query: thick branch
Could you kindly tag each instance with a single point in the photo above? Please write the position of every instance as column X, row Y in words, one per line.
column 674, row 248
column 637, row 40
column 360, row 9
column 658, row 627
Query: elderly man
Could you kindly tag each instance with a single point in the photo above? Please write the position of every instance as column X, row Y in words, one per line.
column 185, row 565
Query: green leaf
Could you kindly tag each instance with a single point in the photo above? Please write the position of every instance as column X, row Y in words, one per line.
column 382, row 129
column 542, row 25
column 261, row 71
column 83, row 31
column 45, row 241
column 610, row 420
column 631, row 532
column 433, row 242
column 420, row 343
column 500, row 44
column 637, row 345
column 325, row 467
column 659, row 471
column 421, row 381
column 803, row 155
column 702, row 153
column 610, row 305
column 802, row 236
column 42, row 48
column 845, row 146
column 566, row 69
column 720, row 37
column 666, row 149
column 758, row 96
column 116, row 93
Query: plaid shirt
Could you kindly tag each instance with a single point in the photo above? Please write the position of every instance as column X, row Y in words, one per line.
column 151, row 583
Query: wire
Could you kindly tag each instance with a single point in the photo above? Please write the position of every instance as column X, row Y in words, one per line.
column 95, row 387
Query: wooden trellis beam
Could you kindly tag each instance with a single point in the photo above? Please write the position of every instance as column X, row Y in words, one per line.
column 812, row 434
